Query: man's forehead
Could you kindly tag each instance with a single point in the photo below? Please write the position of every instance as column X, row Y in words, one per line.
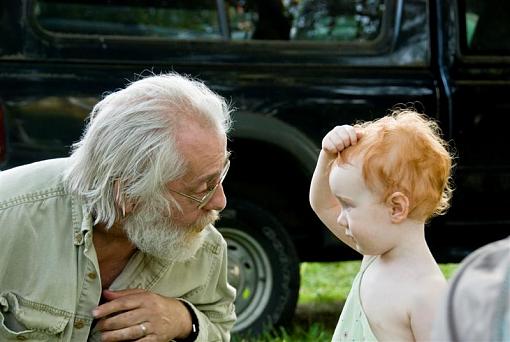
column 204, row 154
column 197, row 138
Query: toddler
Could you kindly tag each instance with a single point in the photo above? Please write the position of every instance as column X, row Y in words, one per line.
column 375, row 185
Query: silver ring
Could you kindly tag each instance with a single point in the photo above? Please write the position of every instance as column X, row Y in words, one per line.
column 144, row 329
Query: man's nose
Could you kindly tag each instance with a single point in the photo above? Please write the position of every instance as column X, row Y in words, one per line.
column 218, row 200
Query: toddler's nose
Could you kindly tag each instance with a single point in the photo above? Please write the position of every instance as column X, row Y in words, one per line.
column 341, row 220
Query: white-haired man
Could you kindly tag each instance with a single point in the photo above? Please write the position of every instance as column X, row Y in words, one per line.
column 116, row 242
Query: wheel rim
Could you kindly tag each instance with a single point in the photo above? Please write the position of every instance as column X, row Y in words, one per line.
column 250, row 272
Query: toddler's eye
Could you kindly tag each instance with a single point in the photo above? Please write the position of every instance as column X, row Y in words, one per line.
column 345, row 206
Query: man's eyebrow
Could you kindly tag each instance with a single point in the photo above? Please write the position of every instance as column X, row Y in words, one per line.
column 210, row 177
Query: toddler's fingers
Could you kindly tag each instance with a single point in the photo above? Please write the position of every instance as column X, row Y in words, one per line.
column 339, row 138
column 346, row 134
column 359, row 133
column 353, row 135
column 329, row 144
column 343, row 136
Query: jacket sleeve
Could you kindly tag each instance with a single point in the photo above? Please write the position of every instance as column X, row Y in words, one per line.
column 216, row 317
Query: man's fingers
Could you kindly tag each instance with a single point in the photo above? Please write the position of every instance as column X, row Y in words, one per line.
column 110, row 295
column 134, row 332
column 121, row 320
column 118, row 301
column 161, row 318
column 116, row 305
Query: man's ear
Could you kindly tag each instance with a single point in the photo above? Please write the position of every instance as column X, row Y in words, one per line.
column 129, row 207
column 125, row 205
column 399, row 206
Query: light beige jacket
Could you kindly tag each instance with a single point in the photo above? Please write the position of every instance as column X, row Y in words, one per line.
column 49, row 274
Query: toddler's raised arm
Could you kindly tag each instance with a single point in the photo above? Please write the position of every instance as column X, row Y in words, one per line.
column 322, row 200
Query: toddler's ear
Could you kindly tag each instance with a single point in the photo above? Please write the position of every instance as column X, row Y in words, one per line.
column 399, row 206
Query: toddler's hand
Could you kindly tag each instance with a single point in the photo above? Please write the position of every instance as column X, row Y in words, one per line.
column 339, row 138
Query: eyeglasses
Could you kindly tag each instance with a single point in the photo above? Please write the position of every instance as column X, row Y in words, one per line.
column 207, row 197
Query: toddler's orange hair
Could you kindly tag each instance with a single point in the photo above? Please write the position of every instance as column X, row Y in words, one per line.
column 404, row 152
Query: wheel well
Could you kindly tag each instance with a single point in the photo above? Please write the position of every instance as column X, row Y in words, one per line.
column 274, row 180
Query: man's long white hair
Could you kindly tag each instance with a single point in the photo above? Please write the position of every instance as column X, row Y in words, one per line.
column 128, row 151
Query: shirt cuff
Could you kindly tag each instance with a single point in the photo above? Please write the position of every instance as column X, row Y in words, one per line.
column 195, row 326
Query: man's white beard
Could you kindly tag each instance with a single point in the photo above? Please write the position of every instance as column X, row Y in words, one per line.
column 156, row 234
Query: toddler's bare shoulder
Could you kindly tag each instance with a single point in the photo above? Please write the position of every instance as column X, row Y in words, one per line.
column 428, row 289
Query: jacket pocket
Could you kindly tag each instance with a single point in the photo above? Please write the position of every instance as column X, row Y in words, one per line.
column 25, row 320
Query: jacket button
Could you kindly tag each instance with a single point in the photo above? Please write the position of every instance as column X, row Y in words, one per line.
column 79, row 323
column 92, row 275
column 78, row 239
column 21, row 338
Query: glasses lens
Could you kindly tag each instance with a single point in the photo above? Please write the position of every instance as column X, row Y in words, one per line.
column 208, row 197
column 210, row 194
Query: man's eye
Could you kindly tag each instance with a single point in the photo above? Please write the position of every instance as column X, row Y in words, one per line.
column 205, row 191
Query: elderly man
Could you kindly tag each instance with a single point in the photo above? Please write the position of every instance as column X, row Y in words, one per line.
column 116, row 242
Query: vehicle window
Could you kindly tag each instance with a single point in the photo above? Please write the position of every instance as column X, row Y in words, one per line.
column 309, row 20
column 485, row 28
column 237, row 20
column 170, row 19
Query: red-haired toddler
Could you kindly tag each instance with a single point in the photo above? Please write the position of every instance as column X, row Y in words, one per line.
column 374, row 187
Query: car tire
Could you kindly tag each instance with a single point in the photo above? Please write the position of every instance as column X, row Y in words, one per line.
column 262, row 265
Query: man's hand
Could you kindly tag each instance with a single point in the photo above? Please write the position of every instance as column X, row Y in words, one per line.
column 139, row 315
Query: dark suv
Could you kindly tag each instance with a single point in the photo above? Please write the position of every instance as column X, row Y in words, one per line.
column 293, row 69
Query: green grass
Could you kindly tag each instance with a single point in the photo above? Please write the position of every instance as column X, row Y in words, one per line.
column 324, row 282
column 331, row 282
column 316, row 332
column 324, row 288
